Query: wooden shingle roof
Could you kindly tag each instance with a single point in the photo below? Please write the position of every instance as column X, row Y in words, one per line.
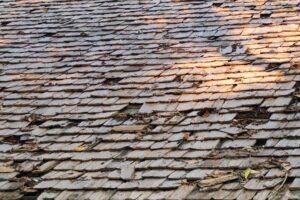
column 147, row 99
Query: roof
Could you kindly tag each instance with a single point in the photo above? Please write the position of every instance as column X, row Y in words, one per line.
column 145, row 99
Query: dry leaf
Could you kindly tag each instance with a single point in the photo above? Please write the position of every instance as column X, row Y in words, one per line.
column 186, row 136
column 247, row 173
column 79, row 148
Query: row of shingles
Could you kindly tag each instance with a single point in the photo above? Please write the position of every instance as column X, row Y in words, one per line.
column 4, row 186
column 218, row 193
column 8, row 185
column 29, row 88
column 67, row 87
column 239, row 193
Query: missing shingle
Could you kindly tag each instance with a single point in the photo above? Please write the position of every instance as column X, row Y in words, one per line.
column 251, row 7
column 5, row 23
column 84, row 34
column 265, row 15
column 289, row 180
column 74, row 122
column 132, row 108
column 31, row 194
column 261, row 113
column 256, row 116
column 21, row 33
column 111, row 81
column 294, row 104
column 49, row 34
column 27, row 177
column 273, row 66
column 234, row 47
column 35, row 120
column 217, row 4
column 260, row 142
column 130, row 111
column 179, row 78
column 164, row 46
column 206, row 112
column 12, row 139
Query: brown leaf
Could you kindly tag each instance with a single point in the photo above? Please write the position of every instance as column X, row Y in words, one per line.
column 186, row 136
column 79, row 148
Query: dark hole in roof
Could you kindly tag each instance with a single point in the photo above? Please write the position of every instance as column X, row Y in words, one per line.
column 49, row 34
column 293, row 106
column 273, row 66
column 234, row 47
column 179, row 78
column 74, row 122
column 205, row 112
column 261, row 113
column 260, row 142
column 111, row 81
column 128, row 112
column 29, row 183
column 84, row 34
column 31, row 195
column 5, row 23
column 35, row 120
column 257, row 115
column 251, row 7
column 12, row 139
column 289, row 180
column 265, row 15
column 132, row 108
column 217, row 4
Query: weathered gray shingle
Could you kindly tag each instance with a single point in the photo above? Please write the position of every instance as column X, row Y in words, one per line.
column 149, row 99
